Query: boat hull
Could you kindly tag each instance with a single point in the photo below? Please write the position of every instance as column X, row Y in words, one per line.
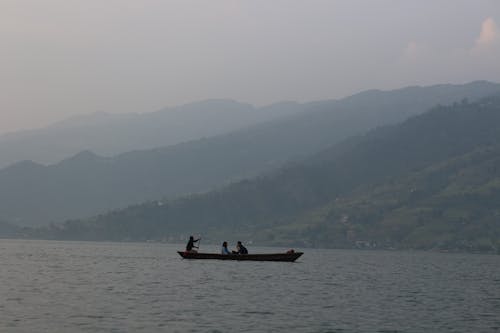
column 240, row 257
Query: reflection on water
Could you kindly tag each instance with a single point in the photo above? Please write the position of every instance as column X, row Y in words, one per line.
column 116, row 287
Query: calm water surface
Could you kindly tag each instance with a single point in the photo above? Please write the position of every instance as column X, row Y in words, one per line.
column 141, row 287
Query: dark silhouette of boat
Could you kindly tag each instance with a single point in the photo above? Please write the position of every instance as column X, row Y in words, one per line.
column 287, row 256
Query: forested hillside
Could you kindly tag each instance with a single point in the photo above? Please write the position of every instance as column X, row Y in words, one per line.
column 450, row 205
column 430, row 182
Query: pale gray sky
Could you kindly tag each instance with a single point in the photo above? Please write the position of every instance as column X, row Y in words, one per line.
column 64, row 57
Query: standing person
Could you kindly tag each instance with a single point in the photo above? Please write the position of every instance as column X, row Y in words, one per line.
column 190, row 245
column 224, row 249
column 240, row 249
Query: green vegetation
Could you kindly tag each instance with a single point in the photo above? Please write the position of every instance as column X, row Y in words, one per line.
column 451, row 205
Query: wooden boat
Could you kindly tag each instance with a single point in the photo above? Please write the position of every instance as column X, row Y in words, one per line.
column 287, row 256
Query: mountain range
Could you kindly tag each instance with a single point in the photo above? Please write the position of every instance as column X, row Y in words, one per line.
column 88, row 184
column 431, row 182
column 111, row 134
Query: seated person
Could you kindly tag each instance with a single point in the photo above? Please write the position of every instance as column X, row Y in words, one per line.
column 190, row 245
column 224, row 249
column 240, row 249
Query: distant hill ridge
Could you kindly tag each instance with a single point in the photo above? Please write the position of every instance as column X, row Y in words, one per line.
column 110, row 134
column 88, row 184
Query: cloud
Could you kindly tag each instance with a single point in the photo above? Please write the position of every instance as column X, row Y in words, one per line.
column 486, row 45
column 475, row 59
column 489, row 34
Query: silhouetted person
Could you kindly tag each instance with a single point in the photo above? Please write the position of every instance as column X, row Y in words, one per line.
column 224, row 249
column 190, row 245
column 240, row 249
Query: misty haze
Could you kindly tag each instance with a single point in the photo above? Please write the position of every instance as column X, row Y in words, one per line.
column 250, row 166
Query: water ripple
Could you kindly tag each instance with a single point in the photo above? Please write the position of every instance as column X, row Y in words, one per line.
column 132, row 287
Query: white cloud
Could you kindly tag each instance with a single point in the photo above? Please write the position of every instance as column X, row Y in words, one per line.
column 476, row 59
column 487, row 45
column 488, row 42
column 489, row 33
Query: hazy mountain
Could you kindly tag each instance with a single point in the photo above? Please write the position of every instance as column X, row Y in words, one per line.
column 430, row 182
column 88, row 184
column 110, row 134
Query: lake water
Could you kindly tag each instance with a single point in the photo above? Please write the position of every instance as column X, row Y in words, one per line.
column 48, row 286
